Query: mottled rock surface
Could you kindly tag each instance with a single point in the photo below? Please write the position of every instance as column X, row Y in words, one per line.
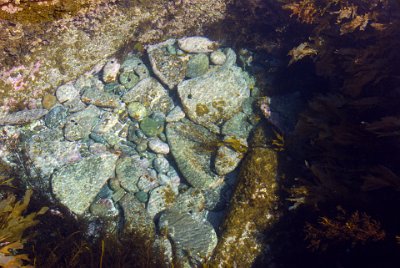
column 22, row 117
column 197, row 44
column 129, row 170
column 214, row 98
column 80, row 124
column 188, row 143
column 77, row 185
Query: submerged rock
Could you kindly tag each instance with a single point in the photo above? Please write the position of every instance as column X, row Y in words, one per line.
column 197, row 65
column 66, row 93
column 56, row 117
column 22, row 117
column 151, row 94
column 226, row 160
column 214, row 98
column 160, row 199
column 130, row 169
column 218, row 57
column 110, row 71
column 133, row 63
column 77, row 185
column 100, row 98
column 252, row 209
column 80, row 124
column 170, row 69
column 197, row 44
column 195, row 237
column 189, row 145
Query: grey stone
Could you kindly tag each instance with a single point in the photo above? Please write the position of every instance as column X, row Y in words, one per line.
column 197, row 66
column 136, row 110
column 158, row 146
column 56, row 117
column 105, row 208
column 147, row 183
column 129, row 170
column 217, row 57
column 170, row 69
column 97, row 148
column 230, row 58
column 141, row 146
column 151, row 94
column 77, row 185
column 197, row 44
column 161, row 165
column 110, row 71
column 188, row 143
column 151, row 127
column 80, row 124
column 160, row 199
column 74, row 105
column 66, row 93
column 128, row 78
column 175, row 114
column 214, row 98
column 226, row 160
column 98, row 138
column 136, row 220
column 247, row 106
column 106, row 124
column 22, row 117
column 237, row 126
column 86, row 81
column 197, row 238
column 192, row 201
column 100, row 98
column 135, row 64
column 46, row 156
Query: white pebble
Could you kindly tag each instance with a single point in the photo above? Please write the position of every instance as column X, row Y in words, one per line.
column 197, row 44
column 218, row 58
column 66, row 92
column 158, row 146
column 110, row 71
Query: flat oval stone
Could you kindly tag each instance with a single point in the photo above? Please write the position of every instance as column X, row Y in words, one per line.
column 158, row 146
column 66, row 92
column 197, row 44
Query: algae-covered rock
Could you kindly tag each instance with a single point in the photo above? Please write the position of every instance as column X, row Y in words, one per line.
column 212, row 99
column 252, row 210
column 189, row 145
column 80, row 124
column 77, row 185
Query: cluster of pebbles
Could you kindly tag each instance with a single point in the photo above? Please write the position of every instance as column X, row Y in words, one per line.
column 157, row 145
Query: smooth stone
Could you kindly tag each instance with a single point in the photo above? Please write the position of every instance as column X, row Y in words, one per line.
column 214, row 98
column 147, row 183
column 237, row 126
column 49, row 101
column 126, row 149
column 151, row 127
column 80, row 124
column 231, row 58
column 100, row 98
column 134, row 63
column 197, row 66
column 188, row 143
column 77, row 185
column 106, row 124
column 56, row 117
column 192, row 201
column 158, row 146
column 197, row 44
column 160, row 199
column 97, row 148
column 170, row 69
column 161, row 165
column 175, row 114
column 86, row 81
column 136, row 220
column 196, row 237
column 129, row 170
column 141, row 146
column 66, row 92
column 136, row 110
column 128, row 78
column 98, row 138
column 47, row 156
column 218, row 57
column 151, row 94
column 22, row 117
column 110, row 71
column 143, row 197
column 226, row 160
column 74, row 105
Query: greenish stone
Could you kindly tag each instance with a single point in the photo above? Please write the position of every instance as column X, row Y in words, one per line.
column 136, row 110
column 197, row 65
column 237, row 126
column 128, row 78
column 151, row 127
column 142, row 196
column 56, row 117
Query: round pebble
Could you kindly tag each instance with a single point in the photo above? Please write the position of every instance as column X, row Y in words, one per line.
column 141, row 146
column 161, row 165
column 49, row 101
column 142, row 196
column 66, row 92
column 136, row 110
column 158, row 146
column 218, row 57
column 151, row 127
